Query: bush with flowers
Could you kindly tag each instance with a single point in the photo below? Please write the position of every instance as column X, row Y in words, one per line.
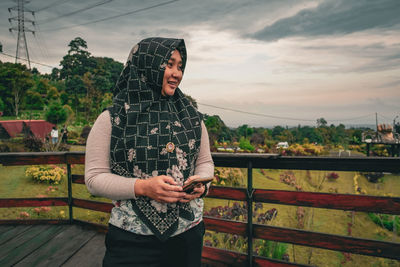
column 303, row 150
column 229, row 177
column 45, row 173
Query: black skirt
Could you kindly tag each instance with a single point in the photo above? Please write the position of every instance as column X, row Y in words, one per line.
column 124, row 248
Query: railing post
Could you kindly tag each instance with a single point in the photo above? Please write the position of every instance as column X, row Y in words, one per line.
column 250, row 213
column 69, row 175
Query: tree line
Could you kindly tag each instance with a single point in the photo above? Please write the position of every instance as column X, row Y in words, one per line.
column 79, row 89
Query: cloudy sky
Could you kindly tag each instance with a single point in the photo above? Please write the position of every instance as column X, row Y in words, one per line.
column 290, row 61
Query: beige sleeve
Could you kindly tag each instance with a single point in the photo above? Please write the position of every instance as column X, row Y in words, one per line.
column 204, row 164
column 98, row 177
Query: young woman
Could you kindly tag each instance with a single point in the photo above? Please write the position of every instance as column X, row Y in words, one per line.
column 141, row 151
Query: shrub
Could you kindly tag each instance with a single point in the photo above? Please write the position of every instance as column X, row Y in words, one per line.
column 85, row 132
column 332, row 176
column 386, row 221
column 33, row 144
column 229, row 177
column 374, row 177
column 45, row 174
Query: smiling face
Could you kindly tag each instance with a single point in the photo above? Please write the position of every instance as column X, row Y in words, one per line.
column 172, row 74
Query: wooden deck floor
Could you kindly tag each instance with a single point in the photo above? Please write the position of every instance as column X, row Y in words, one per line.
column 50, row 245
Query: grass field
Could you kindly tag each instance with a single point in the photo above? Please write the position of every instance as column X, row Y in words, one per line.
column 14, row 184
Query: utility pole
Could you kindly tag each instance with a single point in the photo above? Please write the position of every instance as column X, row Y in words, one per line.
column 22, row 46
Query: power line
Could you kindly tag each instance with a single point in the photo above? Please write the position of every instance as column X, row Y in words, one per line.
column 256, row 114
column 279, row 117
column 42, row 64
column 75, row 12
column 56, row 3
column 113, row 17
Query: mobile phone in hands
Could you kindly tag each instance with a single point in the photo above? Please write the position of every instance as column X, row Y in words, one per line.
column 188, row 188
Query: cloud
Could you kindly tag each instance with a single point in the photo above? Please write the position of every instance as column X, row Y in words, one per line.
column 334, row 17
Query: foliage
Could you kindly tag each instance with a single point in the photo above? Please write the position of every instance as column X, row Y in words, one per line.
column 217, row 130
column 34, row 100
column 228, row 177
column 2, row 105
column 303, row 150
column 332, row 176
column 34, row 144
column 56, row 113
column 15, row 81
column 45, row 173
column 244, row 144
column 85, row 132
column 386, row 221
column 272, row 249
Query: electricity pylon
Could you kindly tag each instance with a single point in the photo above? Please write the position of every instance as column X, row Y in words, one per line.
column 22, row 46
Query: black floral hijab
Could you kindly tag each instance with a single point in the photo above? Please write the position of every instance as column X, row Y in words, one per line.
column 153, row 134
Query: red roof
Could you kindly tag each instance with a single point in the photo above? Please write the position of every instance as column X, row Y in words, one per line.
column 39, row 128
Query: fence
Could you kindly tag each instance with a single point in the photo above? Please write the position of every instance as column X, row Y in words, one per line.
column 388, row 205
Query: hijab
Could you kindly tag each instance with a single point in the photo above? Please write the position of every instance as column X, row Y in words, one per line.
column 154, row 134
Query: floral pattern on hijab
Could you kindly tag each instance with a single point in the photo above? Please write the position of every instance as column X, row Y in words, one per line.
column 154, row 134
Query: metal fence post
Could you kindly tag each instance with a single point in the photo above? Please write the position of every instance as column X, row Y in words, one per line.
column 69, row 175
column 250, row 213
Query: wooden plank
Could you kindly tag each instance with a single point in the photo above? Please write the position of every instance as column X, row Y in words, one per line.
column 90, row 255
column 11, row 233
column 92, row 205
column 34, row 221
column 328, row 241
column 273, row 161
column 32, row 158
column 227, row 193
column 77, row 157
column 101, row 228
column 221, row 257
column 225, row 226
column 30, row 246
column 5, row 228
column 21, row 238
column 262, row 262
column 60, row 248
column 78, row 178
column 389, row 205
column 33, row 202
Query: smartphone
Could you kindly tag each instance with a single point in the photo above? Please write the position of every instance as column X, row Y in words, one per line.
column 188, row 188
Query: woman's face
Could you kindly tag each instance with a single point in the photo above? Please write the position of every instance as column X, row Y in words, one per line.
column 172, row 74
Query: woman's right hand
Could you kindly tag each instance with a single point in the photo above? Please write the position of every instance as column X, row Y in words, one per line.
column 160, row 188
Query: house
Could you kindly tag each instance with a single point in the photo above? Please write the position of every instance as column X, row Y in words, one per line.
column 282, row 145
column 37, row 128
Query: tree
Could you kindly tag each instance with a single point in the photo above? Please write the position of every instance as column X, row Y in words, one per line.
column 15, row 80
column 56, row 113
column 77, row 61
column 321, row 122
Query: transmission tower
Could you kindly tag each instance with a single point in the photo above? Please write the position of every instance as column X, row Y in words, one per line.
column 22, row 46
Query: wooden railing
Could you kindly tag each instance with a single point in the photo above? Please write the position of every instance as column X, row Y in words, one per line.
column 388, row 205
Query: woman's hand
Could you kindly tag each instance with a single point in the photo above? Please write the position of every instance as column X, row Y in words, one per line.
column 198, row 190
column 160, row 188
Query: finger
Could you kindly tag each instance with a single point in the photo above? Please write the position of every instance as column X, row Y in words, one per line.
column 168, row 179
column 191, row 178
column 168, row 187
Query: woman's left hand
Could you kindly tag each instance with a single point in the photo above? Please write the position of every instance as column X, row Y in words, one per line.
column 198, row 190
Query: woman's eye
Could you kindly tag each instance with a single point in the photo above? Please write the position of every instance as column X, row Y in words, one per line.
column 180, row 68
column 169, row 64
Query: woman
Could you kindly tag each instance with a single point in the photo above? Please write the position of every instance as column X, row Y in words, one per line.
column 141, row 151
